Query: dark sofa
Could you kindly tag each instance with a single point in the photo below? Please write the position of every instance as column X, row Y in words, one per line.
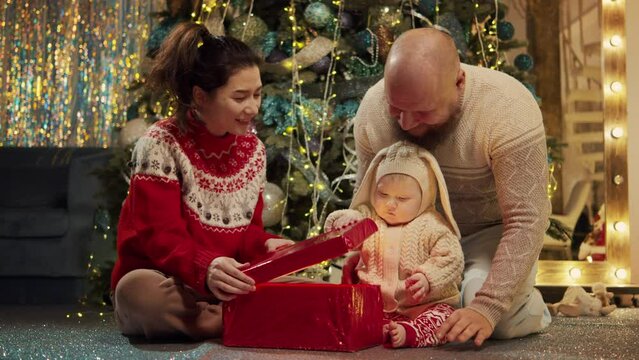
column 47, row 203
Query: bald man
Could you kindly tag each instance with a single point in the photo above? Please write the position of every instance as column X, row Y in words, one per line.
column 485, row 129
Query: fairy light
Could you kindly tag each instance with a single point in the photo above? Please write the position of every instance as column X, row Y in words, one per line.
column 619, row 226
column 617, row 132
column 574, row 273
column 621, row 273
column 615, row 41
column 616, row 86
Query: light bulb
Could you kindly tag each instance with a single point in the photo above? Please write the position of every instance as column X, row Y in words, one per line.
column 616, row 86
column 615, row 40
column 621, row 273
column 619, row 226
column 574, row 273
column 617, row 132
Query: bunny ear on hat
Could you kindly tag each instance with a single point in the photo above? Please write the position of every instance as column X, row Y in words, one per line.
column 443, row 189
column 362, row 194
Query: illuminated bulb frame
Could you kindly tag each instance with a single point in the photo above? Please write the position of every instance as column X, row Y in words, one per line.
column 616, row 269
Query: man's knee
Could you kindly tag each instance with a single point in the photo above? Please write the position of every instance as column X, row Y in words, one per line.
column 524, row 318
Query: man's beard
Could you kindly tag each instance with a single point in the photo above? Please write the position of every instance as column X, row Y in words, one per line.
column 436, row 135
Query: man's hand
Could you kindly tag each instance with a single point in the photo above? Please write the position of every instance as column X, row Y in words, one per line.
column 276, row 243
column 465, row 324
column 417, row 286
column 226, row 280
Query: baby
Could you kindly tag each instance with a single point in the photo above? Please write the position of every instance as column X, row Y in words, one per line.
column 415, row 257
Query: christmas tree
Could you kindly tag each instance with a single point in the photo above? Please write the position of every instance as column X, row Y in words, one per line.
column 320, row 58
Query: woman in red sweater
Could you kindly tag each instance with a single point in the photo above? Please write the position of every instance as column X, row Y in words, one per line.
column 192, row 218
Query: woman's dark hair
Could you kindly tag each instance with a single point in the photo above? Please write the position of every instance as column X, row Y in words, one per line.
column 190, row 56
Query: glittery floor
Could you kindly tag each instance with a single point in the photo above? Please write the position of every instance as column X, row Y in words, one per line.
column 57, row 332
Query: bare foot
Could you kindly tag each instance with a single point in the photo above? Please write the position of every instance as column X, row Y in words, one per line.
column 397, row 334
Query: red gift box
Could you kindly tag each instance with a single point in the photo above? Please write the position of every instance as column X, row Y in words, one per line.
column 305, row 316
column 310, row 252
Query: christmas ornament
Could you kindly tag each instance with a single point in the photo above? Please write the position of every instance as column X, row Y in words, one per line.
column 524, row 62
column 309, row 55
column 451, row 23
column 505, row 30
column 385, row 40
column 214, row 24
column 276, row 56
column 364, row 42
column 322, row 66
column 269, row 43
column 388, row 16
column 318, row 15
column 464, row 10
column 252, row 31
column 158, row 35
column 132, row 131
column 273, row 202
column 427, row 7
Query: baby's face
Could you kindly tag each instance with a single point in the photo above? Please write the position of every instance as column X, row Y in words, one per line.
column 397, row 199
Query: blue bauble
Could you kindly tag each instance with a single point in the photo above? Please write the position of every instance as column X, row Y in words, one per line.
column 524, row 62
column 158, row 35
column 363, row 42
column 452, row 24
column 276, row 56
column 427, row 7
column 505, row 30
column 318, row 15
column 321, row 66
column 269, row 43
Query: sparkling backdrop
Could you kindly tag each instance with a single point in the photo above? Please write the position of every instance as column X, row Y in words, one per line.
column 64, row 67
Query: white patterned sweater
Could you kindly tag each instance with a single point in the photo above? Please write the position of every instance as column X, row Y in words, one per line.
column 495, row 167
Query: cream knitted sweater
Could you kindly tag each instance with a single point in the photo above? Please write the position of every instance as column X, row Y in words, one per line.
column 428, row 246
column 495, row 166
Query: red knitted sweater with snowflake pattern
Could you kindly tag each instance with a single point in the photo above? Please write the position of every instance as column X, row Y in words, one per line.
column 193, row 197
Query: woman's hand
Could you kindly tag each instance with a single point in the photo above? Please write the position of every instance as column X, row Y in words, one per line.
column 277, row 243
column 226, row 280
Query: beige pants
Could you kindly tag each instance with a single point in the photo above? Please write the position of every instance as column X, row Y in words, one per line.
column 528, row 313
column 147, row 302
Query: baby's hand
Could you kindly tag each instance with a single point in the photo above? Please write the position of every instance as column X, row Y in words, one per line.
column 276, row 243
column 417, row 286
column 341, row 219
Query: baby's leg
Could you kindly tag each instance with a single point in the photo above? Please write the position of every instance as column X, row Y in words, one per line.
column 421, row 332
column 148, row 303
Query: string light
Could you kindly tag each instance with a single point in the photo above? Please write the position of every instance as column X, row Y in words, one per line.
column 615, row 40
column 574, row 273
column 617, row 132
column 621, row 273
column 616, row 86
column 619, row 226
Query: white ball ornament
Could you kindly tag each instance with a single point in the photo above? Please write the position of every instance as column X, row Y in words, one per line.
column 132, row 131
column 273, row 204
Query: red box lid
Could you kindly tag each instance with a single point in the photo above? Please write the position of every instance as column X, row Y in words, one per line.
column 310, row 251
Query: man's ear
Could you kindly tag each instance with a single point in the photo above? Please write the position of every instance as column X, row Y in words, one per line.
column 461, row 78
